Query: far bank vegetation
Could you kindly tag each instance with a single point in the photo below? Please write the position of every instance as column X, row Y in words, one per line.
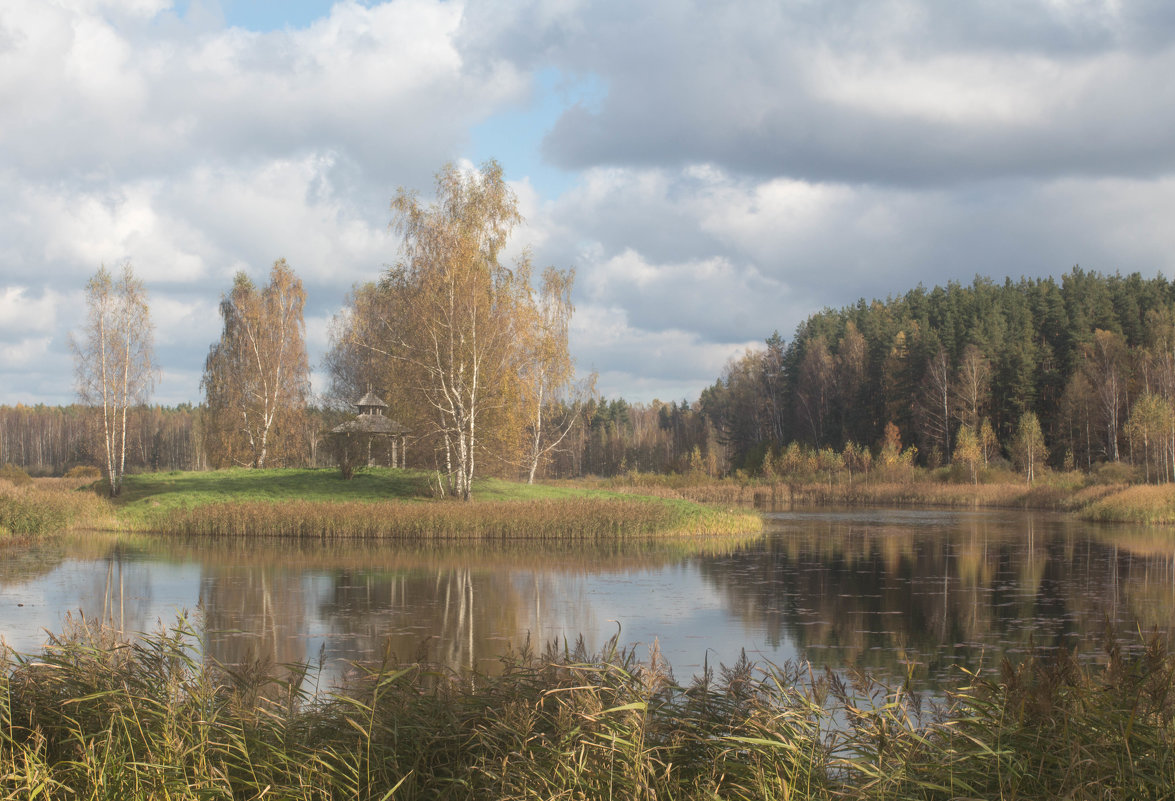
column 962, row 384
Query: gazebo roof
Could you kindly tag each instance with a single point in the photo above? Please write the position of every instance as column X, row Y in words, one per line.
column 371, row 399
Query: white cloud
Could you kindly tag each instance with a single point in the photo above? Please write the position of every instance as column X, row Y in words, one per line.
column 642, row 364
column 897, row 92
column 25, row 352
column 956, row 90
column 740, row 165
column 385, row 83
column 21, row 313
column 185, row 323
column 764, row 255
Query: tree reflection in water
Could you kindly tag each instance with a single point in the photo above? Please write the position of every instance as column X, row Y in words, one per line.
column 461, row 607
column 925, row 592
column 895, row 593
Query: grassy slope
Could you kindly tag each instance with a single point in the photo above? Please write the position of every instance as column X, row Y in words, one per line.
column 188, row 489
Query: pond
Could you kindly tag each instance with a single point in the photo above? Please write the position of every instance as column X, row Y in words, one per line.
column 897, row 593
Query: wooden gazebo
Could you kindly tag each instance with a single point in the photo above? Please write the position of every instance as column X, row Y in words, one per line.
column 372, row 426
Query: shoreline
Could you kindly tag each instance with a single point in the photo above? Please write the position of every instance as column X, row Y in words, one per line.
column 1149, row 504
column 376, row 504
column 398, row 505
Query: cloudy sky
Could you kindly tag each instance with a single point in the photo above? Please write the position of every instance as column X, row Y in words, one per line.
column 714, row 171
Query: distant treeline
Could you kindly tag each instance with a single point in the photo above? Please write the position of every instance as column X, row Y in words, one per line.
column 1091, row 355
column 616, row 437
column 48, row 440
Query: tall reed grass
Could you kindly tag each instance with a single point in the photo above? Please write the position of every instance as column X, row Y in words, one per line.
column 101, row 717
column 48, row 505
column 1143, row 503
column 585, row 518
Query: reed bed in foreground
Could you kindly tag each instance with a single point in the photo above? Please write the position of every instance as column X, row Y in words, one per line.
column 586, row 518
column 96, row 716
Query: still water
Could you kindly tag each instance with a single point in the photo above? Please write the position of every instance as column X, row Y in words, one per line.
column 919, row 593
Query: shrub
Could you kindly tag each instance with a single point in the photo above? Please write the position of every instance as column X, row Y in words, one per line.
column 84, row 471
column 15, row 475
column 1114, row 473
column 999, row 473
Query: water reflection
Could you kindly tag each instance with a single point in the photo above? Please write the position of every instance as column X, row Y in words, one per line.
column 924, row 592
column 892, row 592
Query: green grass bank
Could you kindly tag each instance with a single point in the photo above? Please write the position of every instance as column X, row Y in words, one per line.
column 399, row 504
column 95, row 716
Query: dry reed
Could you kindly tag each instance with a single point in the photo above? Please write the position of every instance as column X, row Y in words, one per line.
column 1143, row 503
column 562, row 519
column 48, row 505
column 97, row 716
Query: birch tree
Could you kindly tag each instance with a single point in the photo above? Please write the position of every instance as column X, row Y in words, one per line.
column 816, row 387
column 934, row 404
column 1028, row 448
column 453, row 318
column 1106, row 365
column 968, row 450
column 113, row 360
column 972, row 386
column 257, row 377
column 550, row 371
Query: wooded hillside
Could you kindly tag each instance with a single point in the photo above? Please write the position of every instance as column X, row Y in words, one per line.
column 1082, row 354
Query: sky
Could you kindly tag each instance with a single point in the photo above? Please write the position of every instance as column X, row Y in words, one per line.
column 713, row 171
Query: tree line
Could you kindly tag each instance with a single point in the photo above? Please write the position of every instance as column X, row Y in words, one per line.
column 1089, row 360
column 471, row 354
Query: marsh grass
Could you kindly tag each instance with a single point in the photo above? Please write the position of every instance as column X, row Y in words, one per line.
column 95, row 715
column 564, row 519
column 46, row 506
column 1142, row 503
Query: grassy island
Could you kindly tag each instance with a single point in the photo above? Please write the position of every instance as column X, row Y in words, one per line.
column 375, row 503
column 383, row 503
